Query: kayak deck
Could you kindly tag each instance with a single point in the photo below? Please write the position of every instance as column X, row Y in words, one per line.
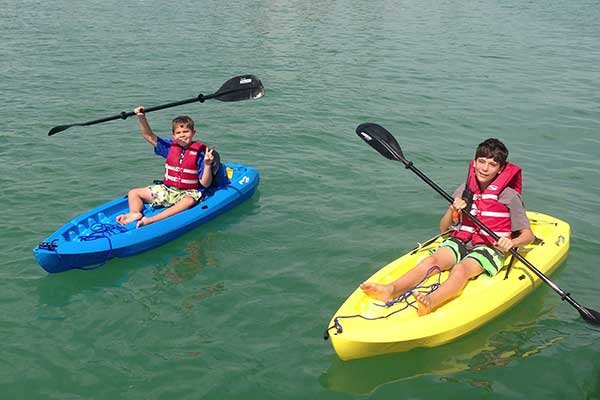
column 482, row 299
column 95, row 237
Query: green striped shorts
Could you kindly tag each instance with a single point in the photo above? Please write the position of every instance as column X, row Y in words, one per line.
column 490, row 259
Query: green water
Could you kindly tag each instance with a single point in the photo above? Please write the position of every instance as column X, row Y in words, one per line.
column 237, row 308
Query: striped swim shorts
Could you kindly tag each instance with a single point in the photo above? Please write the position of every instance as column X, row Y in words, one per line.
column 489, row 258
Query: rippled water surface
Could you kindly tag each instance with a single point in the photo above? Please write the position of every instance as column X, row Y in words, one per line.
column 237, row 308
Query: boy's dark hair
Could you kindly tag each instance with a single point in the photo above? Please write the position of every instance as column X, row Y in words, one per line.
column 183, row 119
column 492, row 148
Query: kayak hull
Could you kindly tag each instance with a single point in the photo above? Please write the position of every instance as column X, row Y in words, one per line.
column 482, row 300
column 77, row 244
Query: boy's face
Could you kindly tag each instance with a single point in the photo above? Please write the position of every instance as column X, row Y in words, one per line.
column 486, row 170
column 183, row 135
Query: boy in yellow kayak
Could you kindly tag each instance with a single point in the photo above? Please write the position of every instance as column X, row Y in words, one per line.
column 492, row 193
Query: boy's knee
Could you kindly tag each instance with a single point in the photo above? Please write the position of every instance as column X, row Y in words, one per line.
column 465, row 270
column 140, row 191
column 188, row 201
column 433, row 259
column 442, row 259
column 134, row 192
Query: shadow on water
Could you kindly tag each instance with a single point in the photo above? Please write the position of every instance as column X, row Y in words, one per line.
column 59, row 289
column 514, row 335
column 167, row 270
column 176, row 262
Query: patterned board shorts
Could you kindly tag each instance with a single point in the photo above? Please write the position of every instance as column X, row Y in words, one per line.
column 165, row 196
column 490, row 259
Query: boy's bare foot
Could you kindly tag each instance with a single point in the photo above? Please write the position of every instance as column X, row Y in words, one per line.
column 424, row 304
column 143, row 222
column 378, row 291
column 124, row 219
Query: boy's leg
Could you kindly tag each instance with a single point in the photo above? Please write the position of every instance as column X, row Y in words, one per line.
column 136, row 199
column 452, row 287
column 443, row 258
column 181, row 205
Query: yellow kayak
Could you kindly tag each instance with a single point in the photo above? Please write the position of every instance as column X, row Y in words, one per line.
column 364, row 327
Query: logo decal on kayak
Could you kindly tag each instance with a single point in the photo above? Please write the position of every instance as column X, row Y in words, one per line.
column 367, row 137
column 244, row 180
column 245, row 80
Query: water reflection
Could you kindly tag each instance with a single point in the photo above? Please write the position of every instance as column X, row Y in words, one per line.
column 198, row 254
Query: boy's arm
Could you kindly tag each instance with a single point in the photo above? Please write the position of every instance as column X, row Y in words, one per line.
column 207, row 176
column 145, row 126
column 525, row 237
column 448, row 219
column 520, row 223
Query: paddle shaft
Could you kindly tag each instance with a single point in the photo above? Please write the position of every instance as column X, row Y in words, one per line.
column 125, row 115
column 564, row 296
column 238, row 88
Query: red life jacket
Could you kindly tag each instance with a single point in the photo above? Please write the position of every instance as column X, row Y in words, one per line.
column 487, row 208
column 181, row 170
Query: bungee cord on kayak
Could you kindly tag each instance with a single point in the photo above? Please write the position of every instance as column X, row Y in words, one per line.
column 403, row 298
column 100, row 231
column 427, row 289
column 48, row 245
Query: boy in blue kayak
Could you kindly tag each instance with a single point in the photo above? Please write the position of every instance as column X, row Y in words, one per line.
column 190, row 169
column 492, row 193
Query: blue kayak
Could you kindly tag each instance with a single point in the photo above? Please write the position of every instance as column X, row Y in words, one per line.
column 94, row 237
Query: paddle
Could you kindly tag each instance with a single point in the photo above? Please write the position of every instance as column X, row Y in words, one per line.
column 381, row 140
column 244, row 87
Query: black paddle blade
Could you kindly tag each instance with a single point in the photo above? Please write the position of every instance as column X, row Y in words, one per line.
column 59, row 128
column 590, row 316
column 245, row 87
column 381, row 140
